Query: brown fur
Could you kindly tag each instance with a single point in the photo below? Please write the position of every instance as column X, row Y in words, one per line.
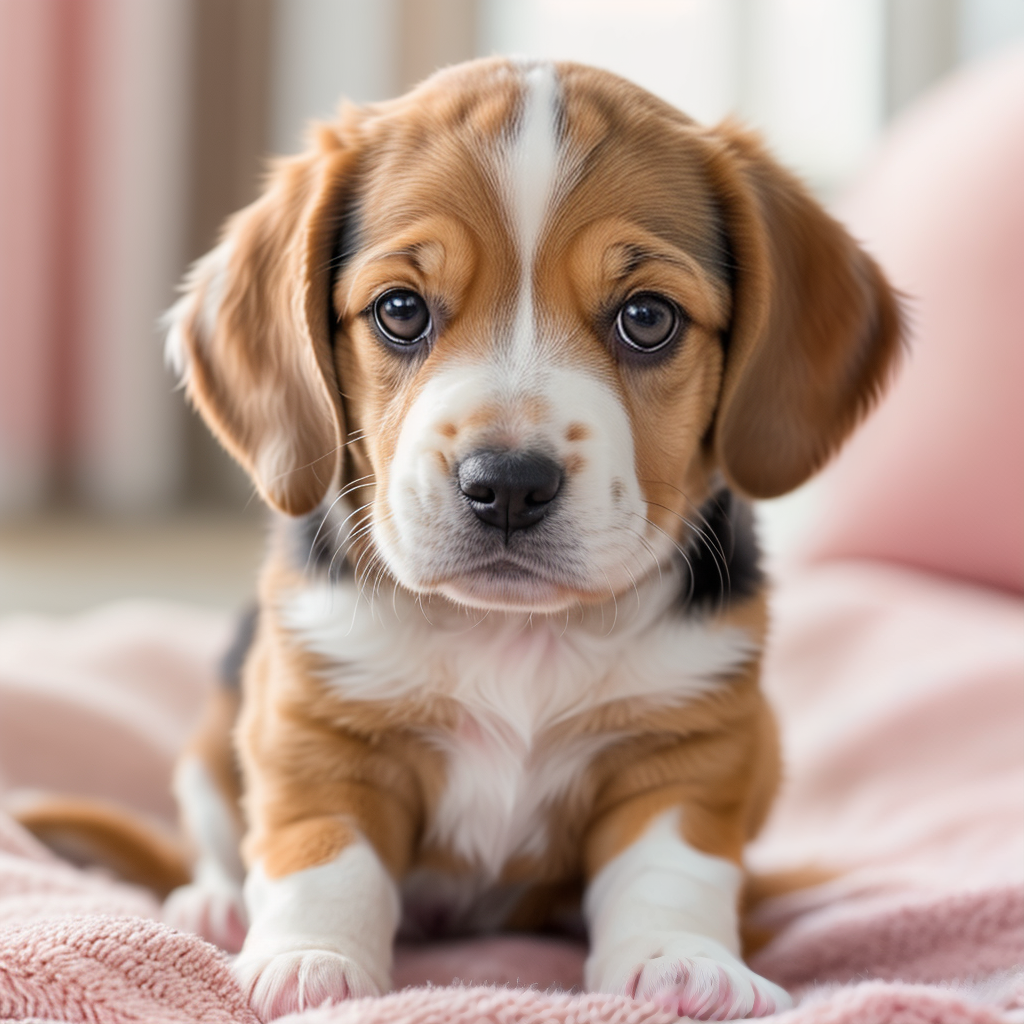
column 313, row 760
column 790, row 334
column 92, row 832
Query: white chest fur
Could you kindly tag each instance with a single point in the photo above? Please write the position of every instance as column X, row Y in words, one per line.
column 515, row 679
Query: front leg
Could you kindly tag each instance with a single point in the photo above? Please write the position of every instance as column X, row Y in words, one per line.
column 663, row 922
column 332, row 819
column 324, row 911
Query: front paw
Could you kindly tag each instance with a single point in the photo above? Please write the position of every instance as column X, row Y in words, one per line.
column 688, row 975
column 299, row 980
column 216, row 912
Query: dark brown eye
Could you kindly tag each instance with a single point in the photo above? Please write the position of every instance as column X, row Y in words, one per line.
column 647, row 322
column 402, row 316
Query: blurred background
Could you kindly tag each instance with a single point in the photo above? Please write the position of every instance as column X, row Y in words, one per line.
column 130, row 128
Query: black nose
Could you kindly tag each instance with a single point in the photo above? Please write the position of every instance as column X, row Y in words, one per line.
column 509, row 490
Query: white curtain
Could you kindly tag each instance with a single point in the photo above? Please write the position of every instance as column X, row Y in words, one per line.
column 808, row 73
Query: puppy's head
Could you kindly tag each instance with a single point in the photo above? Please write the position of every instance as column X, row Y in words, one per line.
column 528, row 316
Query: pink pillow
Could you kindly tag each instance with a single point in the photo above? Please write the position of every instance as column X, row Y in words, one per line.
column 936, row 478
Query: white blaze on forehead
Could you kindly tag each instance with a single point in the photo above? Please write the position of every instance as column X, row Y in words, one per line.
column 534, row 158
column 532, row 176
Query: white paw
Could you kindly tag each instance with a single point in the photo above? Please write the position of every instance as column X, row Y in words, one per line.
column 688, row 975
column 299, row 980
column 216, row 912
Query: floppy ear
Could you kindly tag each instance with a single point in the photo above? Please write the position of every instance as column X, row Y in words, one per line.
column 815, row 327
column 252, row 335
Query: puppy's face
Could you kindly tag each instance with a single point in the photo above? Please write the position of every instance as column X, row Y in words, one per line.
column 538, row 311
column 530, row 339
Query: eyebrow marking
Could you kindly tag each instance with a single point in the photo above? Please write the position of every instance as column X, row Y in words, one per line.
column 632, row 257
column 409, row 253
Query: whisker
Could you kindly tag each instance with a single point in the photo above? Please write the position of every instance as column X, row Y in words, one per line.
column 312, row 462
column 355, row 511
column 711, row 542
column 650, row 550
column 376, row 582
column 615, row 605
column 423, row 611
column 363, row 524
column 341, row 494
column 682, row 551
column 361, row 578
column 718, row 555
column 394, row 597
column 636, row 589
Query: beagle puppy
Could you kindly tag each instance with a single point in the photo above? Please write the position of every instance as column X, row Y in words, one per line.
column 507, row 357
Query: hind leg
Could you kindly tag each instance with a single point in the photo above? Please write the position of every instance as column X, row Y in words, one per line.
column 207, row 788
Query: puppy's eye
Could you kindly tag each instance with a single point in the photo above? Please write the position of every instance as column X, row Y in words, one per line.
column 402, row 316
column 647, row 322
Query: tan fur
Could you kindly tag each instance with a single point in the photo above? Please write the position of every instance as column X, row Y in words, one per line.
column 288, row 437
column 309, row 754
column 816, row 328
column 790, row 333
column 91, row 832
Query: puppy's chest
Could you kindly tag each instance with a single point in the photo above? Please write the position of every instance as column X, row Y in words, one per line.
column 507, row 788
column 520, row 745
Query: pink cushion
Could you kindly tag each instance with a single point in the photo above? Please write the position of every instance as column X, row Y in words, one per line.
column 899, row 700
column 936, row 477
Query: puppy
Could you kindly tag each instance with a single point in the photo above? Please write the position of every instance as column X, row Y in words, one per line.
column 506, row 356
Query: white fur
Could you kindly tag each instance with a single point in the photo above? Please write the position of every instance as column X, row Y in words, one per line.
column 322, row 933
column 598, row 529
column 211, row 905
column 207, row 817
column 207, row 278
column 517, row 678
column 498, row 789
column 663, row 924
column 531, row 177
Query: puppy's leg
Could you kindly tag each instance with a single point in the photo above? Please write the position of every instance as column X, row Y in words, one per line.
column 664, row 870
column 664, row 926
column 206, row 786
column 324, row 910
column 332, row 821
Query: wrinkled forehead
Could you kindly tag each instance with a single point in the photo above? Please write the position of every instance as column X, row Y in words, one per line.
column 523, row 155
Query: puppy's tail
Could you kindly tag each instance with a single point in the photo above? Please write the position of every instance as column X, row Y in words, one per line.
column 759, row 888
column 95, row 833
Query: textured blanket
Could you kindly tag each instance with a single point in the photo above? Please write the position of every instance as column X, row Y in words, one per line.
column 903, row 720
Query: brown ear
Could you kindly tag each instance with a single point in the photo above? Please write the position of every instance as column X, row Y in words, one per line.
column 252, row 334
column 815, row 327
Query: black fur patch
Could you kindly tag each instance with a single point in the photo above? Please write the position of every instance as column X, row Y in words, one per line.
column 723, row 558
column 313, row 547
column 230, row 669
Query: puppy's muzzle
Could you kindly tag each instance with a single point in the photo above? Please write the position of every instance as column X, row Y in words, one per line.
column 509, row 490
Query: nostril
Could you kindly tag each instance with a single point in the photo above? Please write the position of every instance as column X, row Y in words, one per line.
column 546, row 493
column 478, row 492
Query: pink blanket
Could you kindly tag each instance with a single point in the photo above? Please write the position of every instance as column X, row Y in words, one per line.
column 903, row 716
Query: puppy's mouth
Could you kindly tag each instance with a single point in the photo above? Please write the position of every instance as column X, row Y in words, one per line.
column 509, row 569
column 511, row 584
